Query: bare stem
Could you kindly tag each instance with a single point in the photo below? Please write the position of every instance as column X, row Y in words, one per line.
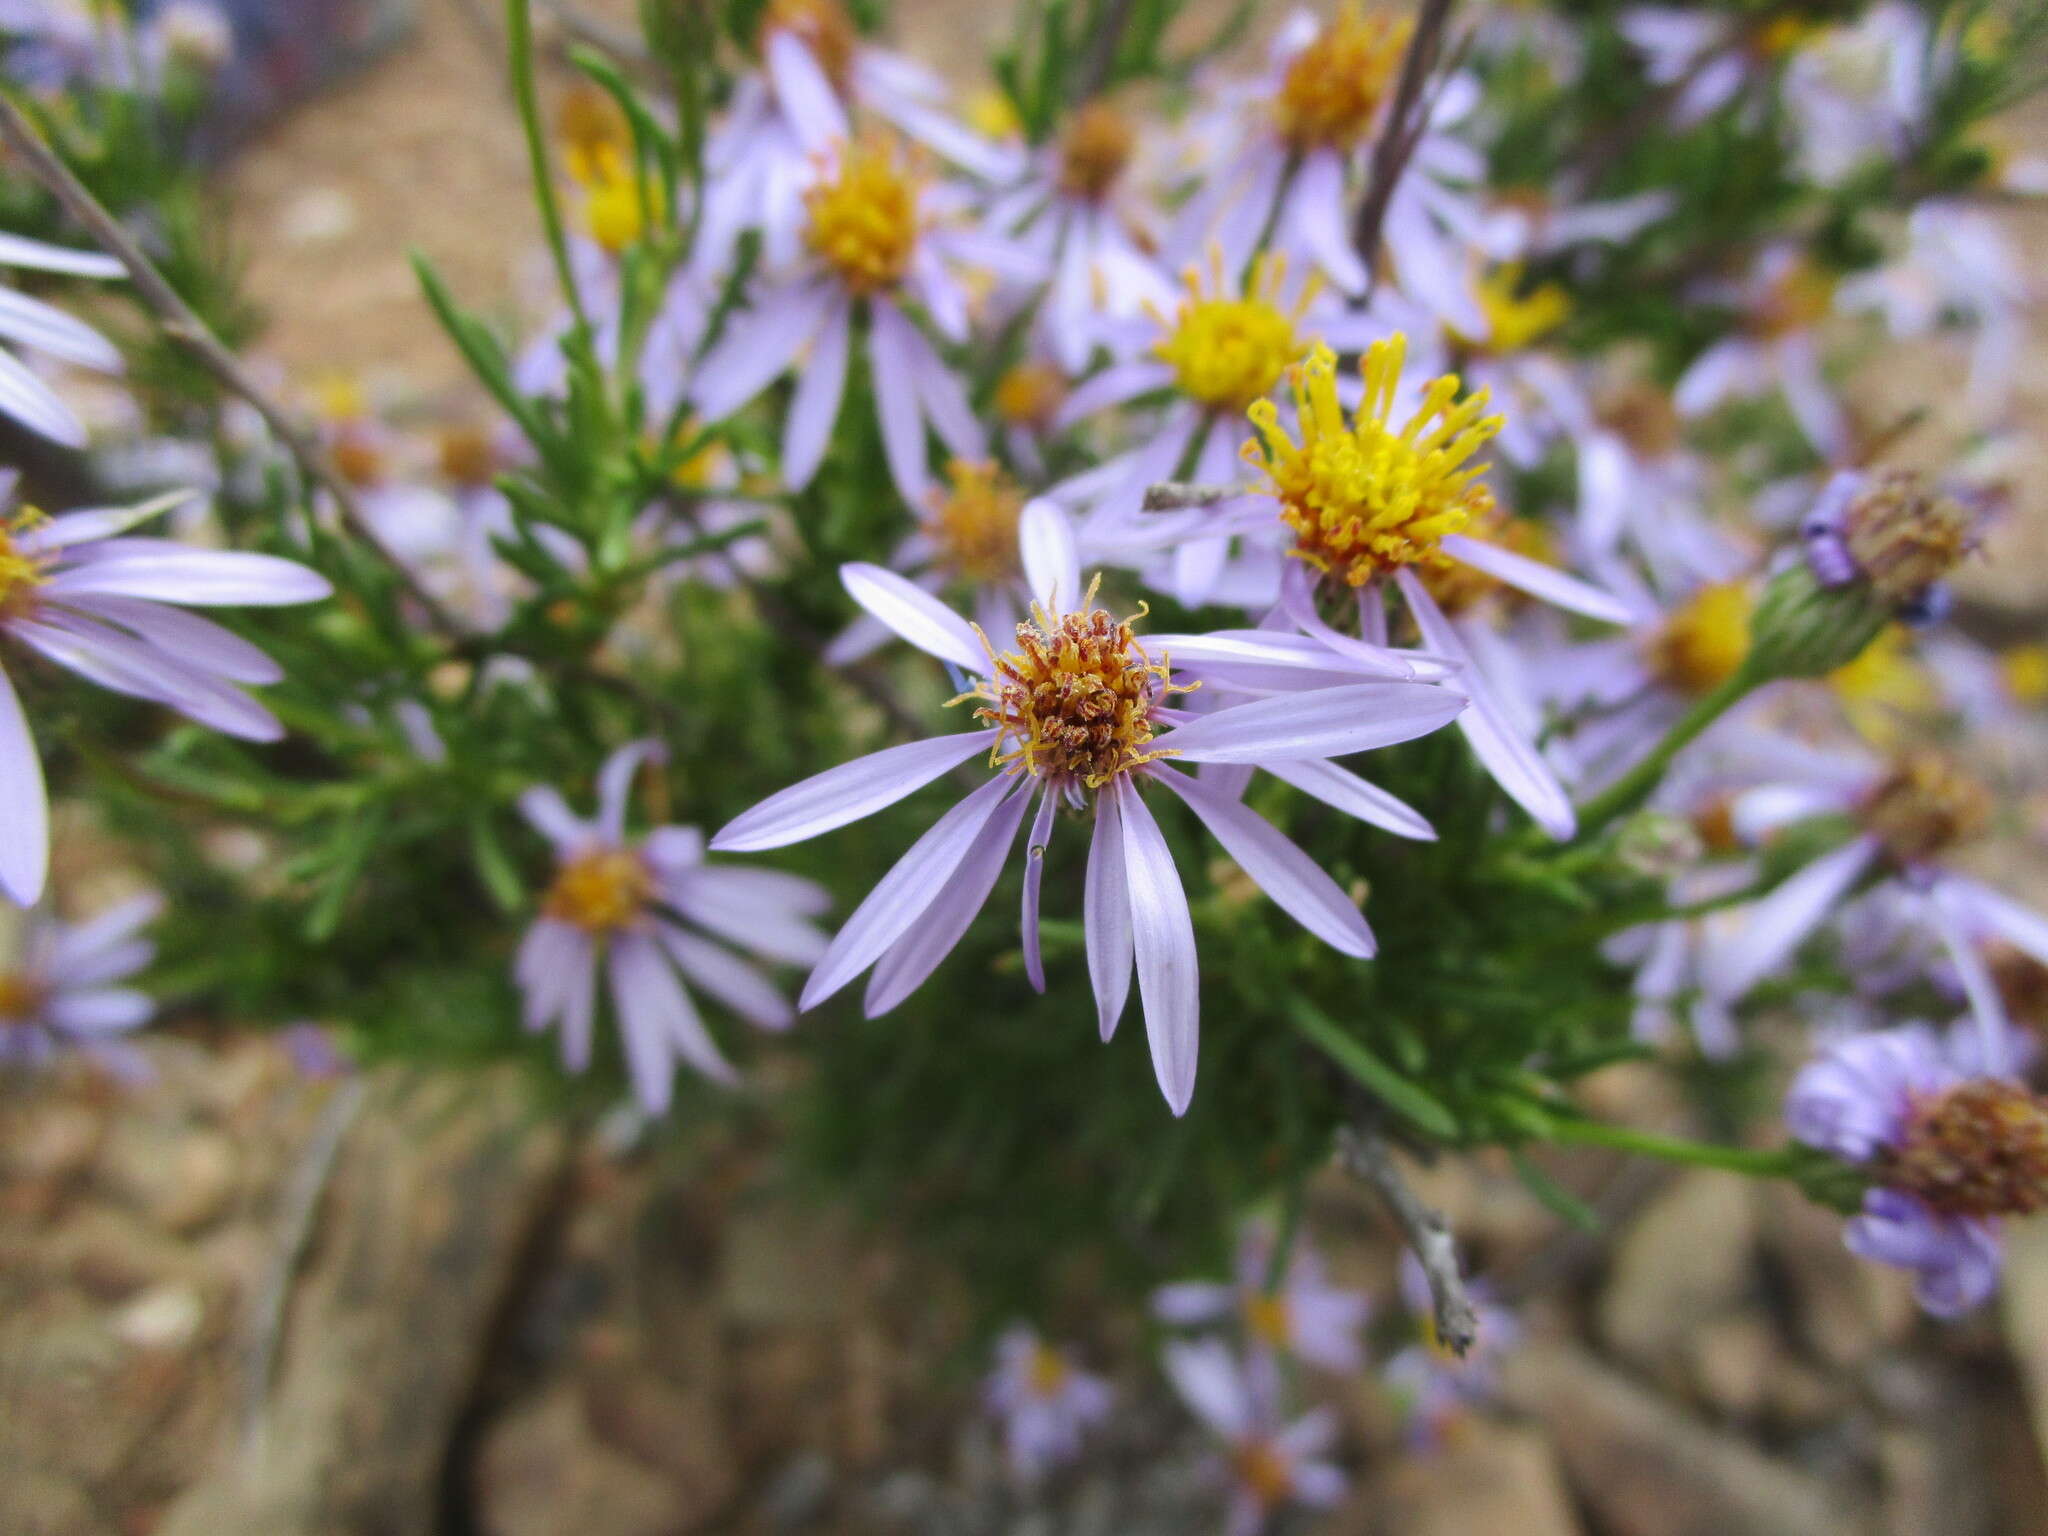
column 1365, row 1153
column 1399, row 135
column 179, row 321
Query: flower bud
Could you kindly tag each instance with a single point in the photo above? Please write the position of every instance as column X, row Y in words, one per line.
column 1804, row 627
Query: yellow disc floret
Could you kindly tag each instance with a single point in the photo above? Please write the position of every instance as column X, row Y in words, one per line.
column 1366, row 498
column 864, row 217
column 590, row 125
column 2025, row 670
column 1073, row 703
column 1705, row 639
column 1333, row 87
column 974, row 521
column 1228, row 347
column 1047, row 1372
column 614, row 200
column 1268, row 1319
column 1029, row 395
column 19, row 571
column 1515, row 319
column 600, row 891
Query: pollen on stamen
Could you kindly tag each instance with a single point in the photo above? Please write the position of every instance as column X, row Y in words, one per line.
column 1228, row 346
column 1073, row 703
column 863, row 216
column 1364, row 499
column 600, row 891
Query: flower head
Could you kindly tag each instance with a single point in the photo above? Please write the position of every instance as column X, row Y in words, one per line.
column 973, row 520
column 643, row 907
column 1044, row 1401
column 1896, row 533
column 1366, row 498
column 1703, row 641
column 1073, row 704
column 1267, row 1463
column 1924, row 806
column 1228, row 346
column 81, row 593
column 58, row 987
column 863, row 216
column 1333, row 87
column 1095, row 147
column 1303, row 1316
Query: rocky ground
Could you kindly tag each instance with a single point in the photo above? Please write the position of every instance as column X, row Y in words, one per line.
column 245, row 1299
column 248, row 1300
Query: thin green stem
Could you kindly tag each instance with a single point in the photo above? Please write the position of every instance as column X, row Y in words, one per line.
column 519, row 41
column 1673, row 1149
column 1633, row 787
column 1282, row 1256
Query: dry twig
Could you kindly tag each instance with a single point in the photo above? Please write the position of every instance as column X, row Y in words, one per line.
column 1399, row 136
column 179, row 321
column 1364, row 1152
column 1182, row 495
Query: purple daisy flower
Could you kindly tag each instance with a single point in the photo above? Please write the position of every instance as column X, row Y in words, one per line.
column 1267, row 1465
column 1304, row 1316
column 1364, row 505
column 1909, row 814
column 1071, row 717
column 78, row 592
column 876, row 234
column 1044, row 1402
column 642, row 906
column 59, row 990
column 1952, row 1149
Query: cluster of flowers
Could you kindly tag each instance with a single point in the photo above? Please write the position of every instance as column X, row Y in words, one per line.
column 1233, row 1377
column 1697, row 695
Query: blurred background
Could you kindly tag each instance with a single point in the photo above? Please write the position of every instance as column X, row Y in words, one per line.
column 277, row 1296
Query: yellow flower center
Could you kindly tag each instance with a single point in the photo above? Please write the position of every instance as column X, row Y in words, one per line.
column 863, row 220
column 356, row 458
column 991, row 113
column 1799, row 300
column 1334, row 86
column 1366, row 498
column 975, row 522
column 591, row 127
column 698, row 470
column 1268, row 1319
column 1094, row 150
column 1980, row 1149
column 1229, row 348
column 614, row 211
column 1073, row 703
column 338, row 397
column 1515, row 319
column 1927, row 805
column 2025, row 670
column 1028, row 394
column 1047, row 1372
column 600, row 891
column 1645, row 419
column 466, row 455
column 1784, row 35
column 21, row 995
column 1703, row 641
column 2022, row 983
column 1264, row 1470
column 1883, row 683
column 822, row 26
column 19, row 572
